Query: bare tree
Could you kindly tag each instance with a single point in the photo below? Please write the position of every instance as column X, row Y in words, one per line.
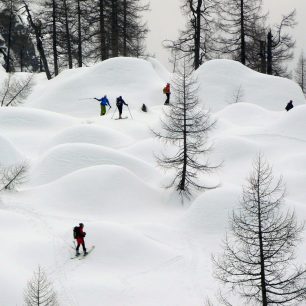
column 300, row 72
column 195, row 43
column 259, row 250
column 14, row 91
column 280, row 45
column 13, row 176
column 186, row 126
column 39, row 291
column 237, row 19
column 237, row 95
column 36, row 25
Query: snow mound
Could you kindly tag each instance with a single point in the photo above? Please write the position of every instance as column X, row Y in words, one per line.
column 31, row 119
column 91, row 134
column 220, row 79
column 134, row 79
column 140, row 250
column 8, row 153
column 292, row 125
column 247, row 114
column 67, row 158
column 31, row 240
column 209, row 212
column 160, row 69
column 95, row 192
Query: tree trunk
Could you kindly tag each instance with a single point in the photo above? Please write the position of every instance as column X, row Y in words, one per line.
column 80, row 55
column 262, row 259
column 103, row 51
column 8, row 64
column 68, row 41
column 21, row 60
column 115, row 33
column 54, row 39
column 197, row 34
column 184, row 170
column 124, row 27
column 40, row 48
column 263, row 62
column 242, row 51
column 269, row 54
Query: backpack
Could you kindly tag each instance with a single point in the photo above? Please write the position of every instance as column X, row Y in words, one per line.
column 164, row 90
column 76, row 232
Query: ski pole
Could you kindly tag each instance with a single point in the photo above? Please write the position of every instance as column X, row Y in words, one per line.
column 130, row 112
column 113, row 114
column 85, row 99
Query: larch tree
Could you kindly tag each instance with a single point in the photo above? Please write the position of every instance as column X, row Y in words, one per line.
column 280, row 44
column 186, row 126
column 39, row 290
column 237, row 22
column 196, row 42
column 300, row 72
column 259, row 248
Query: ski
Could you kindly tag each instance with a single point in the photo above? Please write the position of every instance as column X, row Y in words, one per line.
column 88, row 252
column 82, row 256
column 121, row 118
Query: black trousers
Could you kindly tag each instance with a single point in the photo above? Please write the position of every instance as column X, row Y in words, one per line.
column 120, row 110
column 168, row 98
column 81, row 243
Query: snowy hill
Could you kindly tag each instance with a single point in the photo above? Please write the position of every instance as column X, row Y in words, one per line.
column 149, row 248
column 220, row 80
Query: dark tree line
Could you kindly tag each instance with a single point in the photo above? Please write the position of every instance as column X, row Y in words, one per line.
column 70, row 33
column 16, row 46
column 236, row 29
column 300, row 72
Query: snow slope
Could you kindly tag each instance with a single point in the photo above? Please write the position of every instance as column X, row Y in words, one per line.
column 149, row 248
column 134, row 79
column 220, row 79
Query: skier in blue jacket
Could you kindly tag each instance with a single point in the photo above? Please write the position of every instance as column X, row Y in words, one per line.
column 103, row 102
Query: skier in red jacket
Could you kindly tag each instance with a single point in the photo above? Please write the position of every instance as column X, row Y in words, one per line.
column 79, row 235
column 167, row 92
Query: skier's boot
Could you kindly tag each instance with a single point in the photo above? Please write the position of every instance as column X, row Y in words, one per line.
column 77, row 253
column 85, row 253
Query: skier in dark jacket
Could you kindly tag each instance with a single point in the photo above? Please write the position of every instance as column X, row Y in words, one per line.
column 289, row 106
column 119, row 104
column 79, row 235
column 103, row 102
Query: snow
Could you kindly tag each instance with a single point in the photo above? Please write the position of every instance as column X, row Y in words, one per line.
column 135, row 80
column 149, row 248
column 219, row 79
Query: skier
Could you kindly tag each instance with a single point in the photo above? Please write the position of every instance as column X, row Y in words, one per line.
column 103, row 102
column 119, row 104
column 289, row 106
column 167, row 92
column 79, row 235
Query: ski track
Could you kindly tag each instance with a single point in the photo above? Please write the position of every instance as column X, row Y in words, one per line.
column 184, row 259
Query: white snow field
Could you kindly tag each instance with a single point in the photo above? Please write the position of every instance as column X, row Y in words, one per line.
column 149, row 248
